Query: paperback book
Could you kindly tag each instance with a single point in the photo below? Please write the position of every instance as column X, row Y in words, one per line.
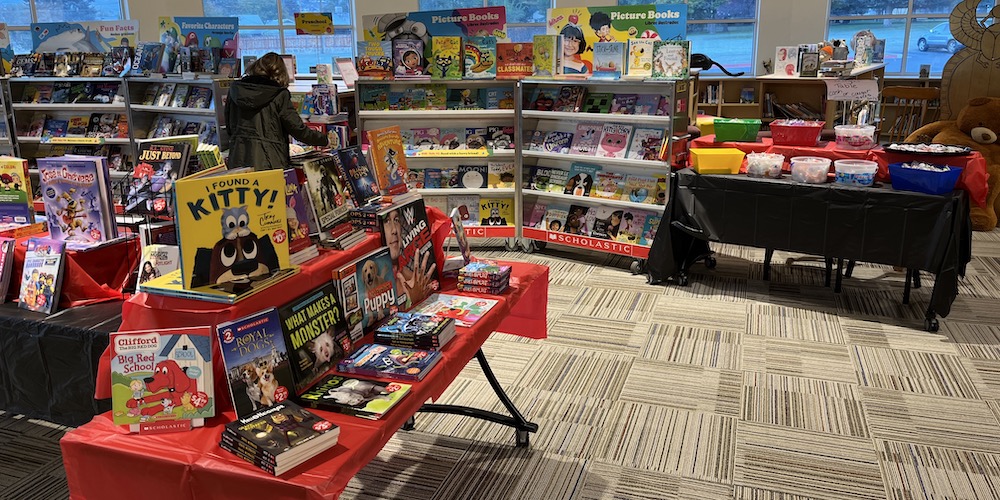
column 557, row 142
column 640, row 57
column 316, row 334
column 646, row 144
column 258, row 369
column 361, row 178
column 514, row 60
column 397, row 363
column 375, row 60
column 446, row 53
column 624, row 104
column 480, row 56
column 77, row 197
column 388, row 159
column 415, row 330
column 609, row 60
column 614, row 140
column 41, row 275
column 158, row 260
column 545, row 55
column 586, row 139
column 407, row 233
column 367, row 289
column 569, row 99
column 466, row 311
column 370, row 399
column 158, row 167
column 328, row 196
column 671, row 59
column 279, row 438
column 16, row 195
column 300, row 214
column 581, row 179
column 408, row 60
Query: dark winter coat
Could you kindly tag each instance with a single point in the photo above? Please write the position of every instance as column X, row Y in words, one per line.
column 259, row 118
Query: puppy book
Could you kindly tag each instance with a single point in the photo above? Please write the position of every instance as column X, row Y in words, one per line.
column 354, row 396
column 316, row 334
column 368, row 292
column 233, row 229
column 257, row 364
column 161, row 380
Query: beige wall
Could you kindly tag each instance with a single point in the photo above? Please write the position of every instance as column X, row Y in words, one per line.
column 149, row 11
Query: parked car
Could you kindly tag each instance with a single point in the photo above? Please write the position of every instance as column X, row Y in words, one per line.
column 939, row 37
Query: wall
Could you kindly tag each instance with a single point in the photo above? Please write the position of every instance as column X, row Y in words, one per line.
column 148, row 13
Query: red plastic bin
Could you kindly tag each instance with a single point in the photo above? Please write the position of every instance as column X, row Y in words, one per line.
column 801, row 134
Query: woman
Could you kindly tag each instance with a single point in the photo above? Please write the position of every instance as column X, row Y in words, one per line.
column 260, row 117
column 573, row 46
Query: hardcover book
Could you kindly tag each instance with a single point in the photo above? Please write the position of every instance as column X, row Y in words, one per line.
column 557, row 142
column 646, row 144
column 161, row 380
column 423, row 331
column 534, row 215
column 466, row 311
column 649, row 228
column 426, row 138
column 586, row 139
column 480, row 56
column 514, row 60
column 624, row 104
column 367, row 289
column 408, row 60
column 639, row 189
column 555, row 216
column 630, row 229
column 76, row 196
column 671, row 59
column 640, row 57
column 609, row 185
column 647, row 104
column 374, row 60
column 199, row 98
column 468, row 208
column 299, row 212
column 16, row 195
column 258, row 369
column 496, row 211
column 500, row 174
column 360, row 177
column 614, row 140
column 158, row 167
column 609, row 60
column 407, row 233
column 473, row 176
column 158, row 260
column 569, row 99
column 576, row 220
column 545, row 55
column 475, row 137
column 498, row 98
column 598, row 102
column 41, row 276
column 397, row 363
column 500, row 137
column 581, row 179
column 446, row 58
column 388, row 159
column 328, row 196
column 316, row 334
column 363, row 398
column 543, row 99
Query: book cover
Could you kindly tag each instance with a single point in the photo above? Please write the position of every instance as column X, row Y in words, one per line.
column 422, row 331
column 29, row 93
column 534, row 215
column 446, row 58
column 545, row 59
column 408, row 59
column 74, row 194
column 118, row 62
column 398, row 363
column 199, row 98
column 60, row 92
column 639, row 189
column 41, row 277
column 569, row 99
column 557, row 141
column 645, row 144
column 298, row 212
column 147, row 58
column 324, row 101
column 630, row 228
column 671, row 59
column 37, row 125
column 609, row 60
column 435, row 95
column 374, row 60
column 388, row 159
column 473, row 176
column 368, row 291
column 581, row 179
column 407, row 233
column 361, row 179
column 537, row 179
column 232, row 228
column 514, row 60
column 466, row 311
column 363, row 398
column 180, row 95
column 500, row 174
column 786, row 60
column 598, row 102
column 77, row 126
column 464, row 98
column 328, row 195
column 475, row 137
column 586, row 139
column 42, row 94
column 149, row 96
column 432, row 178
column 158, row 260
column 16, row 194
column 647, row 104
column 162, row 379
column 6, row 265
column 557, row 180
column 426, row 138
column 480, row 56
column 544, row 99
column 104, row 125
column 614, row 140
column 166, row 93
column 576, row 220
column 316, row 334
column 500, row 137
column 258, row 369
column 55, row 128
column 498, row 98
column 468, row 208
column 438, row 202
column 640, row 57
column 158, row 168
column 649, row 227
column 555, row 216
column 496, row 211
column 609, row 185
column 624, row 104
column 536, row 140
column 103, row 93
column 269, row 438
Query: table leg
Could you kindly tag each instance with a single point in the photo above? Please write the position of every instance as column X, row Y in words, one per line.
column 828, row 272
column 768, row 253
column 906, row 286
column 850, row 268
column 916, row 278
column 839, row 282
column 521, row 425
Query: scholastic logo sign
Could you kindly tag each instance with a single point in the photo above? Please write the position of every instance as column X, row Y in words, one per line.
column 475, row 232
column 597, row 244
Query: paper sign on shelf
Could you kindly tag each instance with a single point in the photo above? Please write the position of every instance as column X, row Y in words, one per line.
column 852, row 90
column 72, row 140
column 313, row 23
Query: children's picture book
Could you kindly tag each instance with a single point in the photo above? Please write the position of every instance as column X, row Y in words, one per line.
column 407, row 233
column 500, row 137
column 6, row 265
column 534, row 215
column 161, row 380
column 435, row 95
column 538, row 178
column 360, row 177
column 370, row 399
column 367, row 290
column 555, row 216
column 232, row 227
column 604, row 221
column 426, row 138
column 75, row 192
column 671, row 59
column 77, row 126
column 786, row 60
column 624, row 104
column 514, row 60
column 432, row 178
column 630, row 229
column 158, row 168
column 645, row 144
column 480, row 55
column 581, row 179
column 536, row 140
column 496, row 211
column 258, row 369
column 557, row 142
column 649, row 228
column 468, row 208
column 545, row 55
column 199, row 98
column 299, row 212
column 374, row 60
column 639, row 189
column 473, row 176
column 614, row 140
column 609, row 185
column 16, row 195
column 55, row 128
column 446, row 58
column 500, row 174
column 544, row 99
column 397, row 363
column 41, row 277
column 408, row 59
column 466, row 311
column 464, row 98
column 576, row 220
column 569, row 99
column 598, row 102
column 328, row 196
column 609, row 60
column 158, row 260
column 647, row 104
column 475, row 137
column 498, row 98
column 37, row 125
column 388, row 159
column 639, row 57
column 60, row 92
column 586, row 139
column 316, row 334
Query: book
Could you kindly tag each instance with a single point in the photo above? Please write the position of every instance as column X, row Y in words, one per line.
column 464, row 98
column 161, row 380
column 279, row 438
column 361, row 179
column 407, row 233
column 466, row 311
column 258, row 369
column 480, row 57
column 576, row 220
column 500, row 137
column 446, row 58
column 609, row 60
column 425, row 138
column 60, row 92
column 324, row 100
column 158, row 168
column 103, row 93
column 614, row 140
column 649, row 228
column 41, row 276
column 498, row 98
column 367, row 291
column 604, row 221
column 118, row 62
column 475, row 137
column 436, row 95
column 514, row 60
column 358, row 397
column 609, row 185
column 397, row 363
column 37, row 125
column 544, row 99
column 415, row 330
column 385, row 145
column 534, row 215
column 180, row 95
column 647, row 104
column 232, row 228
column 671, row 59
column 6, row 265
column 199, row 98
column 555, row 216
column 76, row 195
column 16, row 194
column 163, row 98
column 172, row 285
column 630, row 228
column 557, row 180
column 432, row 178
column 496, row 211
column 147, row 58
column 581, row 179
column 149, row 95
column 106, row 125
column 77, row 126
column 55, row 128
column 557, row 142
column 299, row 212
column 329, row 198
column 639, row 189
column 374, row 60
column 473, row 176
column 569, row 99
column 586, row 139
column 316, row 334
column 500, row 174
column 545, row 55
column 158, row 260
column 468, row 208
column 598, row 102
column 645, row 144
column 408, row 59
column 786, row 60
column 623, row 104
column 640, row 57
column 537, row 178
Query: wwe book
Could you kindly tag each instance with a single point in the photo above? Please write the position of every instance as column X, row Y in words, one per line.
column 361, row 178
column 77, row 198
column 514, row 60
column 328, row 196
column 161, row 380
column 16, row 195
column 374, row 60
column 316, row 334
column 480, row 55
column 466, row 311
column 257, row 363
column 397, row 363
column 41, row 276
column 639, row 57
column 407, row 233
column 446, row 58
column 367, row 289
column 159, row 166
column 586, row 139
column 614, row 140
column 158, row 260
column 232, row 228
column 388, row 159
column 368, row 399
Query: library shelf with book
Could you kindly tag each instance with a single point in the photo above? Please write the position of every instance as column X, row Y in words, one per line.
column 170, row 105
column 593, row 166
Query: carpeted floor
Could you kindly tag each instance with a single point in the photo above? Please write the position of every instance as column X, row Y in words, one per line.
column 732, row 387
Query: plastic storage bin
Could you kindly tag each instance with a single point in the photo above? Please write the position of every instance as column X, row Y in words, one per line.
column 855, row 172
column 855, row 137
column 716, row 160
column 923, row 181
column 765, row 165
column 810, row 169
column 736, row 129
column 796, row 132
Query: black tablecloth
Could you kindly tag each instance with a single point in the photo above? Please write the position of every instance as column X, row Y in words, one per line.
column 879, row 225
column 48, row 365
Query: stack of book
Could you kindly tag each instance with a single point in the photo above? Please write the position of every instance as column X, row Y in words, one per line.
column 416, row 331
column 397, row 363
column 484, row 277
column 278, row 438
column 362, row 398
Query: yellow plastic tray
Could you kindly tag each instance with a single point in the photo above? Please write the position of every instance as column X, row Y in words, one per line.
column 717, row 160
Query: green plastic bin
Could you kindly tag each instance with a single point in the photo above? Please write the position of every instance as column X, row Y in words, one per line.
column 736, row 129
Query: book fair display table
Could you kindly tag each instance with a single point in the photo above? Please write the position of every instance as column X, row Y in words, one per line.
column 102, row 461
column 879, row 225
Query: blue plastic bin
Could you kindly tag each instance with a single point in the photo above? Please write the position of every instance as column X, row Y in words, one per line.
column 923, row 181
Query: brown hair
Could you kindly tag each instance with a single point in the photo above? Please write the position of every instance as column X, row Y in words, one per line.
column 271, row 66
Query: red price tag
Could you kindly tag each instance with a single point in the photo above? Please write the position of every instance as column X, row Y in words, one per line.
column 280, row 394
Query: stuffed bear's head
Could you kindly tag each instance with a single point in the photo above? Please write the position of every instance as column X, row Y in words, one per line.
column 980, row 119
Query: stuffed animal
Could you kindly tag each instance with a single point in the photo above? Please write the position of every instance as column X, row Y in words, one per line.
column 977, row 126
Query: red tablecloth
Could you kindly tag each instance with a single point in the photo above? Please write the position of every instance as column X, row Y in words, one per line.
column 104, row 462
column 89, row 277
column 708, row 141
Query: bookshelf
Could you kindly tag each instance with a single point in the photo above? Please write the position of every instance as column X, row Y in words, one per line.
column 161, row 106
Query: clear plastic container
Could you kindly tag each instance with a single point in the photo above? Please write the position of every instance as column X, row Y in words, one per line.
column 765, row 165
column 855, row 137
column 810, row 169
column 855, row 172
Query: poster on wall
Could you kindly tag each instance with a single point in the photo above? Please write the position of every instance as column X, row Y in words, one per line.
column 313, row 23
column 202, row 33
column 87, row 36
column 583, row 26
column 6, row 51
column 480, row 21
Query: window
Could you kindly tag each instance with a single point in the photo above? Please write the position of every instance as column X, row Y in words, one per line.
column 19, row 14
column 269, row 26
column 916, row 32
column 721, row 29
column 525, row 18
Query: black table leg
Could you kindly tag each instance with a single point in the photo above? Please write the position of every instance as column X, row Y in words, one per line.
column 850, row 268
column 521, row 426
column 906, row 286
column 840, row 265
column 916, row 278
column 768, row 253
column 828, row 272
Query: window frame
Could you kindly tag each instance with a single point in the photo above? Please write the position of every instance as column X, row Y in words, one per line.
column 122, row 10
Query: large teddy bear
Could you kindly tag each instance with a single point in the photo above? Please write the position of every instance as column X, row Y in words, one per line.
column 977, row 126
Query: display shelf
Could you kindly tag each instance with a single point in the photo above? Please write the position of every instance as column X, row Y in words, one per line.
column 494, row 154
column 489, row 232
column 173, row 110
column 49, row 79
column 593, row 199
column 338, row 118
column 208, row 80
column 625, row 162
column 430, row 114
column 89, row 106
column 461, row 191
column 575, row 240
column 598, row 117
column 70, row 140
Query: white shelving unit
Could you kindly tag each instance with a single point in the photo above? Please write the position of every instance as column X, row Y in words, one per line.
column 143, row 116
